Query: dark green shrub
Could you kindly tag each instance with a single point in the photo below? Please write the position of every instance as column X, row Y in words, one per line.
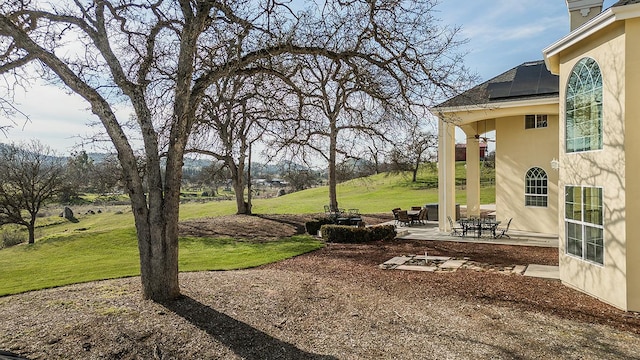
column 11, row 237
column 383, row 232
column 312, row 227
column 354, row 235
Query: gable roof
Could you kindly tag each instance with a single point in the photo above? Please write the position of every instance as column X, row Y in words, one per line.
column 526, row 81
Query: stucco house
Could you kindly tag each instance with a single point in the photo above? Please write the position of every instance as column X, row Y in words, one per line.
column 567, row 131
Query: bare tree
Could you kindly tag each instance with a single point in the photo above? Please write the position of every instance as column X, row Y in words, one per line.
column 78, row 175
column 30, row 176
column 107, row 175
column 345, row 99
column 213, row 176
column 421, row 147
column 335, row 101
column 230, row 120
column 160, row 57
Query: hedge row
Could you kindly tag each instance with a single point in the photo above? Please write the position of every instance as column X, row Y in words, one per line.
column 351, row 234
column 312, row 227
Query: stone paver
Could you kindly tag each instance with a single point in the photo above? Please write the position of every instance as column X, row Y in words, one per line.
column 543, row 271
column 417, row 268
column 452, row 264
column 446, row 263
column 519, row 269
column 398, row 260
column 438, row 258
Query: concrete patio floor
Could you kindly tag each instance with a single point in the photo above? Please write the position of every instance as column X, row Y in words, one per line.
column 430, row 231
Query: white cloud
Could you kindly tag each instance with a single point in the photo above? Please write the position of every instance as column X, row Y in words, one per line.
column 56, row 118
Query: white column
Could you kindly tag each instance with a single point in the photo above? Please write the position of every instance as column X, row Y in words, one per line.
column 473, row 176
column 446, row 173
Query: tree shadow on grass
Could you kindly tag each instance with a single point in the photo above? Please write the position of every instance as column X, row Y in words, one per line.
column 246, row 341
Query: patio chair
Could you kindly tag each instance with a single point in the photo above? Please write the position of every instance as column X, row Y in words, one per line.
column 502, row 231
column 403, row 218
column 455, row 230
column 395, row 214
column 354, row 216
column 422, row 217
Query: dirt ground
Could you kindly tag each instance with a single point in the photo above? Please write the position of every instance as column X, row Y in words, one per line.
column 334, row 303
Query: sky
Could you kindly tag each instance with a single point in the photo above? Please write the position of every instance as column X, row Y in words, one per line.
column 501, row 34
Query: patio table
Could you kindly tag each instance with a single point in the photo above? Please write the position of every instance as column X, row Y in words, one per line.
column 478, row 226
column 414, row 215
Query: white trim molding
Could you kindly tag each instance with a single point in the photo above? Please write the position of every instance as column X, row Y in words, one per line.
column 604, row 19
column 584, row 6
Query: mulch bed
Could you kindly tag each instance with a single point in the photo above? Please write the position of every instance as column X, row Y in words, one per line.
column 333, row 303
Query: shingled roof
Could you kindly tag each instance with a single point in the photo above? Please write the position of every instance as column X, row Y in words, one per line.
column 525, row 81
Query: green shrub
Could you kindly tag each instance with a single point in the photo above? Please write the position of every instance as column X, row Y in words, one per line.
column 12, row 237
column 383, row 232
column 312, row 227
column 354, row 235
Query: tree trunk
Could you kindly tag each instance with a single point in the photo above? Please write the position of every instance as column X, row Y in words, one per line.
column 158, row 262
column 32, row 233
column 157, row 229
column 248, row 209
column 333, row 194
column 237, row 181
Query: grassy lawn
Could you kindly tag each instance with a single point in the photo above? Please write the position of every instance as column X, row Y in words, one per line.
column 94, row 255
column 374, row 194
column 104, row 246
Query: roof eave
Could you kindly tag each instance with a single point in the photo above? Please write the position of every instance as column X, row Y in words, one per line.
column 604, row 19
column 498, row 105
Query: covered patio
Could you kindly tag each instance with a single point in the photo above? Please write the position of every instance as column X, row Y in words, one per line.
column 521, row 107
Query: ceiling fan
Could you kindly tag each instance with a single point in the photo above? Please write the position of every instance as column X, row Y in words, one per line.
column 484, row 138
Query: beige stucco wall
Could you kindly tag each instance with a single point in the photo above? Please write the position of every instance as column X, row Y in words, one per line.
column 518, row 150
column 602, row 168
column 632, row 156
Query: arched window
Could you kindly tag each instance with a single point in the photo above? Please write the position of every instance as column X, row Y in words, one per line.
column 535, row 187
column 583, row 127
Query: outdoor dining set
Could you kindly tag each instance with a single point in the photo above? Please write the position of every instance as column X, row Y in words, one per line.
column 479, row 227
column 417, row 215
column 473, row 226
column 343, row 216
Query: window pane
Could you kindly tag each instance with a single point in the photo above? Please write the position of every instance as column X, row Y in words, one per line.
column 594, row 245
column 573, row 203
column 593, row 205
column 584, row 207
column 541, row 121
column 529, row 121
column 535, row 187
column 574, row 239
column 583, row 125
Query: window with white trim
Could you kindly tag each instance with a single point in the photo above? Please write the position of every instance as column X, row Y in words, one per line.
column 535, row 121
column 583, row 129
column 584, row 223
column 535, row 187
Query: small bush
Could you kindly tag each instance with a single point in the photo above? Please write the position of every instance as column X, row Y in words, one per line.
column 312, row 227
column 12, row 237
column 383, row 232
column 354, row 235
